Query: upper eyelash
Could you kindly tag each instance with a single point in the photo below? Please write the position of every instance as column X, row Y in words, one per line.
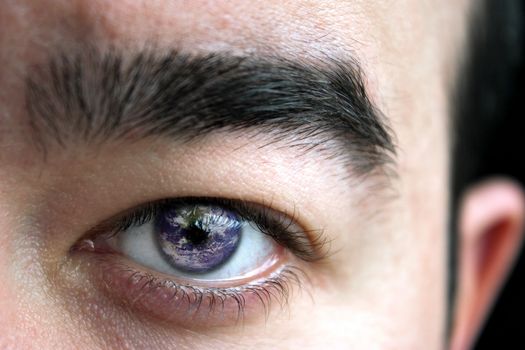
column 309, row 245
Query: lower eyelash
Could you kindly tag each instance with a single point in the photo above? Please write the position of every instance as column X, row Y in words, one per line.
column 200, row 304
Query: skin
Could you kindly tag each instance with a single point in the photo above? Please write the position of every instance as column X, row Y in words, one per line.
column 383, row 285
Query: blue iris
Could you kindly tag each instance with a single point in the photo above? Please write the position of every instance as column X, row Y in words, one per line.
column 198, row 238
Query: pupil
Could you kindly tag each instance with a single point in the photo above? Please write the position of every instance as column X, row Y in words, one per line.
column 196, row 235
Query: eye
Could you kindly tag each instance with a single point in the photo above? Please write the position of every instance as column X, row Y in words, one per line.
column 195, row 240
column 178, row 257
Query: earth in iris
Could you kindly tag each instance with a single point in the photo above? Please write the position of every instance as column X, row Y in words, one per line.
column 198, row 238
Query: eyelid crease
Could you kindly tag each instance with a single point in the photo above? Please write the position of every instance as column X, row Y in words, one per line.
column 307, row 245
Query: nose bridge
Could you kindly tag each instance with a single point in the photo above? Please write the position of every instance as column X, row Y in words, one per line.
column 10, row 314
column 12, row 327
column 24, row 320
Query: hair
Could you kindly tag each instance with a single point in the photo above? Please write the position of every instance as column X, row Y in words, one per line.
column 485, row 100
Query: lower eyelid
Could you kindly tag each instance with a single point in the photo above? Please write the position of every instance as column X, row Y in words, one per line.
column 196, row 306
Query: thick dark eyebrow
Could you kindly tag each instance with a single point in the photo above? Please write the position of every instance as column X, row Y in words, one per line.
column 95, row 96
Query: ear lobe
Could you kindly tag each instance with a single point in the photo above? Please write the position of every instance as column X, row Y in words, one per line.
column 491, row 229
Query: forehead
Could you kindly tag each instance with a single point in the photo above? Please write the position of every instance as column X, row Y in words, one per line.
column 378, row 33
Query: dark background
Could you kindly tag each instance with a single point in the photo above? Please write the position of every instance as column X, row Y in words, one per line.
column 505, row 328
column 504, row 154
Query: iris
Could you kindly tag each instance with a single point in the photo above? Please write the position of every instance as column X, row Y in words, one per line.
column 198, row 238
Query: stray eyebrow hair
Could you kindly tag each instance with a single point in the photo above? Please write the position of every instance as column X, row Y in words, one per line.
column 95, row 96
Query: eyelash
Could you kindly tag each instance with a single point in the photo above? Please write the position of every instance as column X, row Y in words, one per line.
column 309, row 246
column 277, row 287
column 282, row 228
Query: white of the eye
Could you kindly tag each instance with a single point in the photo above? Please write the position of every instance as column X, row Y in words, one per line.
column 255, row 248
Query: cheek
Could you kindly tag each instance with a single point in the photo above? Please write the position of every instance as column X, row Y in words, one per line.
column 419, row 281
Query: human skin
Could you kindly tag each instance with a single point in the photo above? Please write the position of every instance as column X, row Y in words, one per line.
column 382, row 285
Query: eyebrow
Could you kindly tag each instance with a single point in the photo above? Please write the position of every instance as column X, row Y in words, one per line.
column 95, row 96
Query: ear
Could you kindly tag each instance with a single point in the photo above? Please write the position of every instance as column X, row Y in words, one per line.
column 491, row 228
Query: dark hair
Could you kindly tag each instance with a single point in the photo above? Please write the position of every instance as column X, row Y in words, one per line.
column 484, row 101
